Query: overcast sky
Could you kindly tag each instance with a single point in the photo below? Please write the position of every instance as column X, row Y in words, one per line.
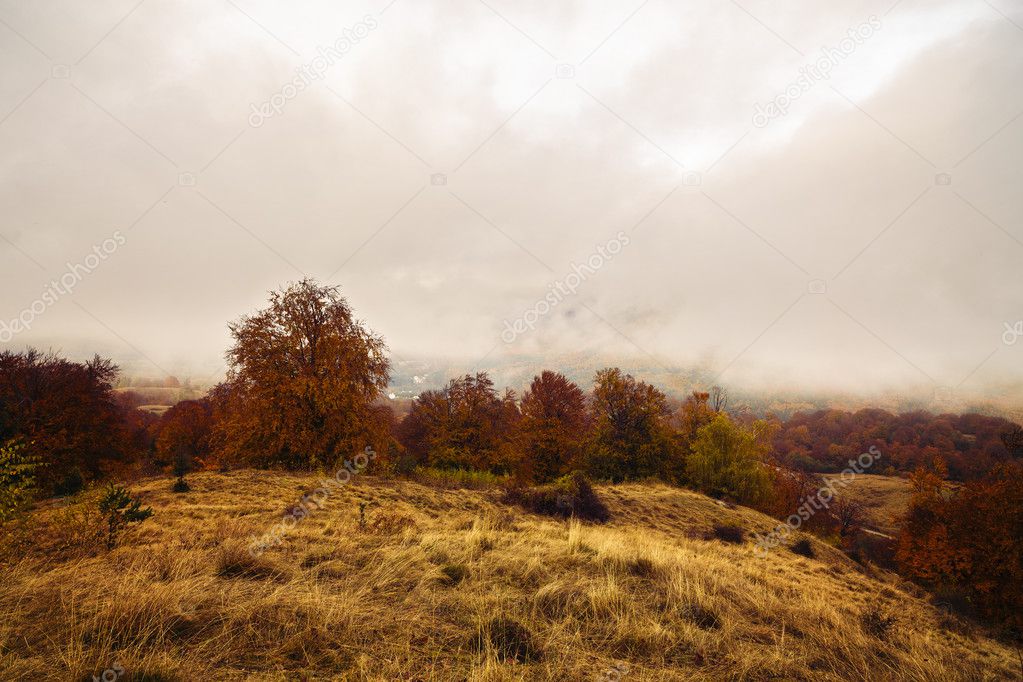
column 450, row 162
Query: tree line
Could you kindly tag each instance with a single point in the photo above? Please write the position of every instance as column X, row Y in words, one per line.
column 304, row 391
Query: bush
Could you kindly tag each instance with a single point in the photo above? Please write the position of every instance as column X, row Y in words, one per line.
column 729, row 533
column 181, row 486
column 571, row 495
column 120, row 509
column 510, row 640
column 17, row 480
column 803, row 548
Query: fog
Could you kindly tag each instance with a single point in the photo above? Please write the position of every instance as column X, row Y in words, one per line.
column 451, row 165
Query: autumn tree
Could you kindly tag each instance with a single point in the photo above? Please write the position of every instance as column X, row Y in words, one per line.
column 695, row 413
column 65, row 413
column 553, row 426
column 631, row 437
column 186, row 430
column 466, row 425
column 303, row 376
column 727, row 461
column 967, row 540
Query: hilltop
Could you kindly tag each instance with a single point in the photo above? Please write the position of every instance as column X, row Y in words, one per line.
column 454, row 585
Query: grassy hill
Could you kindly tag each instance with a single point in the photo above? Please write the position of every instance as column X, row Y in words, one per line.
column 453, row 585
column 885, row 499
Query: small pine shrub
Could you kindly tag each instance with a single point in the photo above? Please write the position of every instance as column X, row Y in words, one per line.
column 182, row 465
column 120, row 509
column 569, row 496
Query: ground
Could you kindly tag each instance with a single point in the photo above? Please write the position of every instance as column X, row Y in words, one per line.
column 453, row 585
column 884, row 499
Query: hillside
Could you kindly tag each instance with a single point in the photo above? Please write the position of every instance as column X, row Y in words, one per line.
column 885, row 499
column 645, row 597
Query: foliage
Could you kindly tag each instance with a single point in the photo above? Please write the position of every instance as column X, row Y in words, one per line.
column 971, row 444
column 553, row 426
column 968, row 539
column 467, row 425
column 726, row 461
column 303, row 376
column 631, row 438
column 120, row 509
column 186, row 430
column 65, row 412
column 569, row 496
column 17, row 479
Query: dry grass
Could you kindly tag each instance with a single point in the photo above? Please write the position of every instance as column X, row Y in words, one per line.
column 884, row 499
column 457, row 586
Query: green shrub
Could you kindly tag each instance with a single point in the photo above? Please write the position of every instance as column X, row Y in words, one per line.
column 120, row 509
column 17, row 480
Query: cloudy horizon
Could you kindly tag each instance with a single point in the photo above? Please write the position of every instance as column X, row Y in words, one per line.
column 780, row 193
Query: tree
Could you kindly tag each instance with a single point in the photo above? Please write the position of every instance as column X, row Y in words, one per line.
column 120, row 509
column 64, row 412
column 726, row 460
column 631, row 438
column 466, row 425
column 553, row 426
column 695, row 413
column 718, row 398
column 303, row 376
column 967, row 540
column 849, row 514
column 186, row 428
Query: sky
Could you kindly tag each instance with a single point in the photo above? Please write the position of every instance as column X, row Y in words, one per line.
column 787, row 193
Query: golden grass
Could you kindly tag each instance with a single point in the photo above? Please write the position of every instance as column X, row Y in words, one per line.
column 182, row 598
column 884, row 499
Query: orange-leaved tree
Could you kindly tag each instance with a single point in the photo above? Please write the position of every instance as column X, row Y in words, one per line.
column 553, row 427
column 303, row 376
